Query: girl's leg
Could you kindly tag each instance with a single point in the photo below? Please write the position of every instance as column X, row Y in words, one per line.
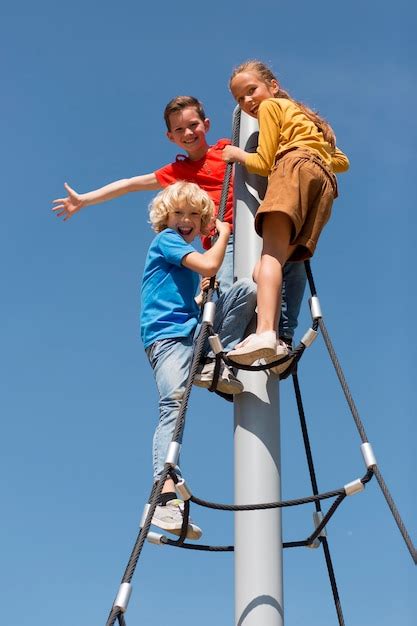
column 276, row 233
column 268, row 274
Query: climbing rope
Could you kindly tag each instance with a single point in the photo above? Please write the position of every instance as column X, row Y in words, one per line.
column 366, row 448
column 122, row 599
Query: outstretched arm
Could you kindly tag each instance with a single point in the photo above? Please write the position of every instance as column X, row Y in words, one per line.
column 67, row 207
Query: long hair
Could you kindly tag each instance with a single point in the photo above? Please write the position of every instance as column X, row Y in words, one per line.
column 266, row 75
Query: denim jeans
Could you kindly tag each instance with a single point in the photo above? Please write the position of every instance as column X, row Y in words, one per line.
column 293, row 286
column 225, row 274
column 170, row 360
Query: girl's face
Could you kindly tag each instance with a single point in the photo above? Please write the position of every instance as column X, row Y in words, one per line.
column 249, row 90
column 186, row 221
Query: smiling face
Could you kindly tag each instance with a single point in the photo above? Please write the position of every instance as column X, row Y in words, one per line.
column 188, row 131
column 186, row 220
column 249, row 90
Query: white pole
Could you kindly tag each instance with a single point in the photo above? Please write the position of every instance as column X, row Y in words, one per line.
column 258, row 537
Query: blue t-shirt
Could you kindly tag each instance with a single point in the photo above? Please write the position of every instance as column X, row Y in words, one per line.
column 168, row 308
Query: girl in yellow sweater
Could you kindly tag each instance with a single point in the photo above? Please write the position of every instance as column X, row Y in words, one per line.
column 297, row 151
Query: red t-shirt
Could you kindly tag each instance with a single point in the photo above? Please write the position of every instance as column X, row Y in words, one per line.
column 207, row 172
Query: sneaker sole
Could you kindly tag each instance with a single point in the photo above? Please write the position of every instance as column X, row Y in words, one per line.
column 248, row 358
column 193, row 531
column 280, row 369
column 201, row 382
column 231, row 388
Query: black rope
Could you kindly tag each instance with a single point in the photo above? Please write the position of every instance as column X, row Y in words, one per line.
column 121, row 619
column 204, row 548
column 216, row 373
column 314, row 486
column 267, row 505
column 362, row 434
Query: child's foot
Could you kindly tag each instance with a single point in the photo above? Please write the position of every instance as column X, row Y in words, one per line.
column 255, row 347
column 169, row 517
column 227, row 383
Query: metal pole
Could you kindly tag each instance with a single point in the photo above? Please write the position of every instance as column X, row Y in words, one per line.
column 258, row 542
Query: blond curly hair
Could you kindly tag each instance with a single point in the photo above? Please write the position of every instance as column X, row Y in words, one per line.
column 173, row 197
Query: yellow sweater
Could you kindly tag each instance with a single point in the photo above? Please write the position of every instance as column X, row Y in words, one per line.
column 283, row 125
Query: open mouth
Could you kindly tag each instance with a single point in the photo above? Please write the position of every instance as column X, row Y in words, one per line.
column 184, row 232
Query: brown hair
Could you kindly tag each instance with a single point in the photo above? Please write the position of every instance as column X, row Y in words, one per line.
column 182, row 102
column 266, row 75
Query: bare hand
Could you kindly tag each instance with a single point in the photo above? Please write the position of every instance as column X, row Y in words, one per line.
column 223, row 227
column 67, row 207
column 205, row 283
column 233, row 154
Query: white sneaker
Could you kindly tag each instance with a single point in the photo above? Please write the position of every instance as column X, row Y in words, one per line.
column 227, row 383
column 255, row 347
column 170, row 516
column 281, row 351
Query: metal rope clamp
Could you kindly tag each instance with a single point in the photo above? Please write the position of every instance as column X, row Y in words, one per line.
column 317, row 519
column 123, row 597
column 315, row 308
column 183, row 490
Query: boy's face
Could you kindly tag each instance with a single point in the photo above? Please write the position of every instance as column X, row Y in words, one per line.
column 188, row 131
column 186, row 221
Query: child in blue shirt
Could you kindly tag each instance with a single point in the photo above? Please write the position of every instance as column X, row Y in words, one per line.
column 169, row 318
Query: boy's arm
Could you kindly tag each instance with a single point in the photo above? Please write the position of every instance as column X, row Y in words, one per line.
column 67, row 207
column 208, row 263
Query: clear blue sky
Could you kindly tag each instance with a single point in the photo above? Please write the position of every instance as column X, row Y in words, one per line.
column 84, row 85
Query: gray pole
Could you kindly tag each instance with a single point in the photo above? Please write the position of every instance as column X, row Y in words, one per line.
column 258, row 543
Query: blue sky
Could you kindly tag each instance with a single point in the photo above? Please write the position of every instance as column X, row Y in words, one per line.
column 84, row 87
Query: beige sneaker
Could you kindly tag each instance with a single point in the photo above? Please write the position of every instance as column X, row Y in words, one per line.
column 254, row 347
column 170, row 516
column 227, row 383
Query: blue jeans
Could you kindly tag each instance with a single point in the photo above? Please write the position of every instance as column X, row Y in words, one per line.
column 225, row 275
column 293, row 287
column 170, row 360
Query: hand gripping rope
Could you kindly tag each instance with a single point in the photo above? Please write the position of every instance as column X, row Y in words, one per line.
column 318, row 536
